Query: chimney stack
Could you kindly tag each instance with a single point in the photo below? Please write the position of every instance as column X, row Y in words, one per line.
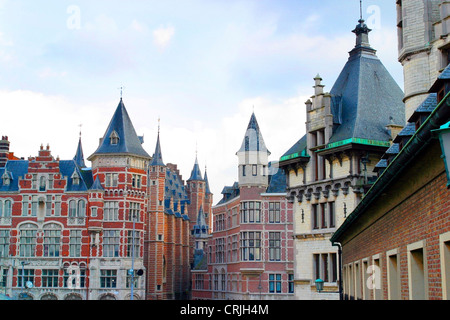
column 4, row 151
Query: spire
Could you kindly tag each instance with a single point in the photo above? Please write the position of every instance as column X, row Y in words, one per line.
column 196, row 173
column 207, row 189
column 79, row 158
column 120, row 136
column 362, row 35
column 253, row 140
column 157, row 156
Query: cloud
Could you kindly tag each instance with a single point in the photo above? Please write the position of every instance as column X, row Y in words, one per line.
column 163, row 35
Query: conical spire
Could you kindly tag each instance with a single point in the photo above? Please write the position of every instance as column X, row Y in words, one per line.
column 196, row 173
column 157, row 156
column 207, row 189
column 79, row 158
column 253, row 140
column 120, row 136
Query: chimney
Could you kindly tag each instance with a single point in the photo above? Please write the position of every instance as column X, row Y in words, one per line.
column 4, row 151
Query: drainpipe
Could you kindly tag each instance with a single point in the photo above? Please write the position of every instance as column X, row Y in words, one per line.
column 337, row 244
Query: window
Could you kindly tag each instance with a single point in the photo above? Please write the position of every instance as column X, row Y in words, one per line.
column 111, row 179
column 135, row 282
column 393, row 276
column 52, row 238
column 42, row 183
column 75, row 243
column 130, row 243
column 77, row 208
column 275, row 283
column 6, row 178
column 27, row 241
column 134, row 211
column 3, row 277
column 274, row 212
column 111, row 211
column 25, row 201
column 254, row 169
column 27, row 275
column 136, row 181
column 108, row 278
column 220, row 250
column 111, row 243
column 325, row 267
column 444, row 244
column 251, row 212
column 250, row 246
column 114, row 138
column 417, row 272
column 5, row 208
column 291, row 282
column 49, row 278
column 4, row 243
column 243, row 170
column 48, row 205
column 57, row 206
column 74, row 277
column 75, row 178
column 274, row 246
column 323, row 215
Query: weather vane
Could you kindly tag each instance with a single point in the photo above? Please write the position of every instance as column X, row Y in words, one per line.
column 360, row 9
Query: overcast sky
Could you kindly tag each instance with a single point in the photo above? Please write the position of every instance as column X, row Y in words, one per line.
column 202, row 67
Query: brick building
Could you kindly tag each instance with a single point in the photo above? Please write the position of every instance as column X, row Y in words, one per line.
column 72, row 232
column 396, row 242
column 329, row 169
column 250, row 251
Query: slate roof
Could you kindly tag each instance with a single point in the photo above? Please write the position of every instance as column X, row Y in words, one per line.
column 175, row 192
column 443, row 77
column 79, row 157
column 18, row 168
column 364, row 98
column 277, row 179
column 299, row 149
column 196, row 174
column 157, row 156
column 129, row 142
column 253, row 139
column 207, row 189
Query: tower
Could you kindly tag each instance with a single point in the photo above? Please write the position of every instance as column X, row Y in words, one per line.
column 253, row 158
column 422, row 46
column 120, row 166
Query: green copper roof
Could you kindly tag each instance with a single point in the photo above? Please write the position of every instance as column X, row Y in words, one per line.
column 357, row 141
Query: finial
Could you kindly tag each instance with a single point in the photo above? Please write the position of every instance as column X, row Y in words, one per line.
column 360, row 10
column 159, row 124
column 80, row 125
column 121, row 91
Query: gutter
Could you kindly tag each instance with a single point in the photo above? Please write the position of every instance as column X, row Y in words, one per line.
column 421, row 138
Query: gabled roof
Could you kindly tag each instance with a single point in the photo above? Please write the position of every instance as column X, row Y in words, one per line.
column 365, row 96
column 97, row 185
column 253, row 139
column 122, row 128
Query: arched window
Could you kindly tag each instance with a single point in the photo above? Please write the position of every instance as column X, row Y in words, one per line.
column 42, row 183
column 7, row 208
column 72, row 208
column 81, row 212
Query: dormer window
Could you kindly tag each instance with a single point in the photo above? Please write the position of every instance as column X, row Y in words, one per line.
column 114, row 138
column 6, row 178
column 75, row 178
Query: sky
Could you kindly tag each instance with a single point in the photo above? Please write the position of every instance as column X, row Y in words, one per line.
column 198, row 68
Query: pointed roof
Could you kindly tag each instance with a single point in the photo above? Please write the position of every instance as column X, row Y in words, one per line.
column 157, row 156
column 79, row 157
column 207, row 189
column 196, row 174
column 365, row 95
column 120, row 136
column 96, row 185
column 253, row 139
